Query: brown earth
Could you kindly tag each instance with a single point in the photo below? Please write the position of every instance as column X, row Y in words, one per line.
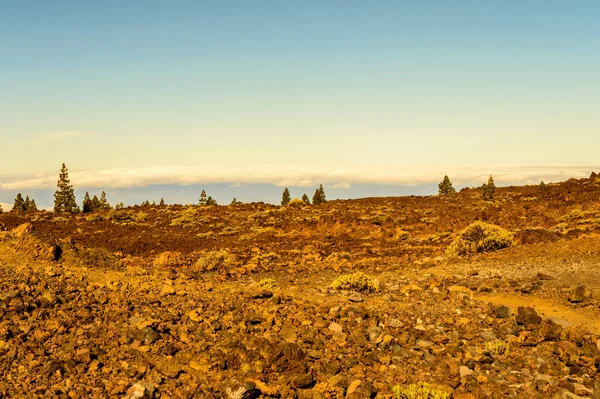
column 172, row 302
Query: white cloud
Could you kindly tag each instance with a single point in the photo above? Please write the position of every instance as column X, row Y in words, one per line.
column 5, row 207
column 237, row 185
column 53, row 137
column 302, row 176
column 344, row 186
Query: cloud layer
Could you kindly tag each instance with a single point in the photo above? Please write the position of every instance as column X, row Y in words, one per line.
column 300, row 176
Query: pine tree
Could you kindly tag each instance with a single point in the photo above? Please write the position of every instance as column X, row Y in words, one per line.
column 445, row 187
column 162, row 202
column 305, row 199
column 27, row 204
column 319, row 196
column 489, row 189
column 234, row 201
column 145, row 203
column 322, row 194
column 542, row 186
column 203, row 198
column 33, row 206
column 211, row 201
column 86, row 205
column 285, row 198
column 96, row 204
column 64, row 197
column 120, row 205
column 19, row 204
column 1, row 210
column 104, row 205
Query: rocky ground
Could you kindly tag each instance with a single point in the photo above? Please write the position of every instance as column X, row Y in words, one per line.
column 236, row 302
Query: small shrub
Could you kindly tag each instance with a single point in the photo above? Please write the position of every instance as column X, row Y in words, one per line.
column 266, row 284
column 296, row 202
column 356, row 282
column 480, row 237
column 186, row 218
column 421, row 390
column 214, row 261
column 498, row 347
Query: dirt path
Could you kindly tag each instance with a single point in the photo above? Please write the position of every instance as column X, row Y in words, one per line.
column 551, row 309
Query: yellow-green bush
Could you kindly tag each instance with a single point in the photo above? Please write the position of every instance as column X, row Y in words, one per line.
column 422, row 390
column 480, row 237
column 356, row 282
column 296, row 202
column 498, row 347
column 266, row 283
column 214, row 261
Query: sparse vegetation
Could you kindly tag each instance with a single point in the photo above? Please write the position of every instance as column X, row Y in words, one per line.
column 358, row 281
column 480, row 237
column 421, row 390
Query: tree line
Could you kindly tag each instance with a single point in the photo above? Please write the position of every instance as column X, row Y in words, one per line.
column 64, row 197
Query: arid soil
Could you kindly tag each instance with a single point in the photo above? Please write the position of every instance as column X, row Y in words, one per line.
column 236, row 301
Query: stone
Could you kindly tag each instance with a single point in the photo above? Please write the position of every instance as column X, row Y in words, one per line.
column 527, row 316
column 464, row 371
column 141, row 390
column 167, row 290
column 302, row 380
column 246, row 390
column 502, row 312
column 22, row 229
column 359, row 389
column 459, row 289
column 335, row 327
column 579, row 294
column 355, row 297
column 147, row 336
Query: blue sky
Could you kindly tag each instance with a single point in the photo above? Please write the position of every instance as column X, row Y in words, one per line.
column 388, row 86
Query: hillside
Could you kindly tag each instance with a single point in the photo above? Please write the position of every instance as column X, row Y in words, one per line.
column 236, row 301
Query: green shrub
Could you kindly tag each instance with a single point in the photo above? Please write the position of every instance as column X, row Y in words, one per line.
column 356, row 282
column 498, row 347
column 214, row 261
column 421, row 390
column 266, row 284
column 480, row 237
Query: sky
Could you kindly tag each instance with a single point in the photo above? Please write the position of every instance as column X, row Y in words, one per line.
column 142, row 95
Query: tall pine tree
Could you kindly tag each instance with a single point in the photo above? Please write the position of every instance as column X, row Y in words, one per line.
column 305, row 199
column 489, row 189
column 319, row 196
column 203, row 198
column 19, row 204
column 104, row 205
column 285, row 197
column 64, row 197
column 445, row 186
column 86, row 205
